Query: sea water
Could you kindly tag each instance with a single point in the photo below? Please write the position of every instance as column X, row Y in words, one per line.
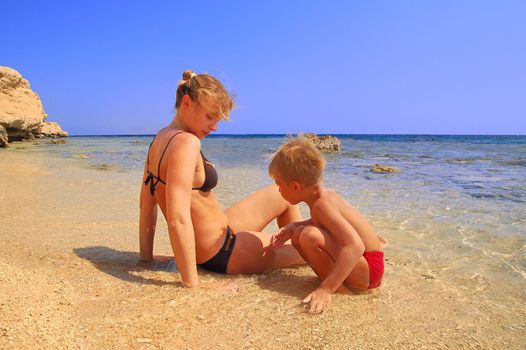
column 457, row 202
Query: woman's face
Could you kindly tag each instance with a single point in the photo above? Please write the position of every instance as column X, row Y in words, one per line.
column 199, row 120
column 203, row 121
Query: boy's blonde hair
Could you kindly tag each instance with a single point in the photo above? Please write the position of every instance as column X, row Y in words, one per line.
column 207, row 91
column 298, row 160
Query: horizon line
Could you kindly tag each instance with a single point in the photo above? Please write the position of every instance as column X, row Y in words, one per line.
column 285, row 134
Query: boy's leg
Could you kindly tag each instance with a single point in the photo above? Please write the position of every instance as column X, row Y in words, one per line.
column 257, row 210
column 320, row 250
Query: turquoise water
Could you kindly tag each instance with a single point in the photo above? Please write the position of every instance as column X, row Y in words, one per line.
column 491, row 168
column 456, row 197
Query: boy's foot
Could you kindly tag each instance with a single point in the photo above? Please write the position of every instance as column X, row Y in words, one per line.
column 383, row 241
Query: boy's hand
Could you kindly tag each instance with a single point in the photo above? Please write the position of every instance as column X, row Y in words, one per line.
column 284, row 235
column 319, row 300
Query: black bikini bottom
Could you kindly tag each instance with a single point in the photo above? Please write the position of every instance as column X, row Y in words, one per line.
column 219, row 262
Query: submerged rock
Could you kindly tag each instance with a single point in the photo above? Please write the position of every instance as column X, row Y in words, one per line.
column 82, row 156
column 104, row 167
column 379, row 168
column 325, row 143
column 21, row 111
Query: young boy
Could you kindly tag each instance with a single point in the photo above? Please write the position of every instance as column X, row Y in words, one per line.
column 337, row 241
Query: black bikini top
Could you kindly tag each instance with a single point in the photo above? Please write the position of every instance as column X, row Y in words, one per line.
column 153, row 180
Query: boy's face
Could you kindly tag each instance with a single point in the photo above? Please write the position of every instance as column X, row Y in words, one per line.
column 289, row 190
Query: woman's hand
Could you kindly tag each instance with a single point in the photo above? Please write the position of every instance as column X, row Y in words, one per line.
column 159, row 262
column 162, row 259
column 157, row 259
column 319, row 300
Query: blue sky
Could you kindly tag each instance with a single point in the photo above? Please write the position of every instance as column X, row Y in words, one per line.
column 359, row 67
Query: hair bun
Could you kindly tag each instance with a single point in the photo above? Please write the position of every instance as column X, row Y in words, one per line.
column 188, row 74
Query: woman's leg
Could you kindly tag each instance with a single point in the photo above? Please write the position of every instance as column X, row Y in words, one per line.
column 320, row 249
column 257, row 210
column 247, row 219
column 252, row 254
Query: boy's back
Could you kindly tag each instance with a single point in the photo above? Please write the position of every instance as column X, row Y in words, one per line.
column 332, row 199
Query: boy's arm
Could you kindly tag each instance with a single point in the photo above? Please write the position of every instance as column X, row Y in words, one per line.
column 352, row 247
column 277, row 240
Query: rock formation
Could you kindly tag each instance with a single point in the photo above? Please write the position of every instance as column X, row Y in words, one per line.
column 21, row 112
column 50, row 129
column 3, row 136
column 325, row 143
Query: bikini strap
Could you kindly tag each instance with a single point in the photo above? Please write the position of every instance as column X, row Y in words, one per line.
column 148, row 156
column 162, row 155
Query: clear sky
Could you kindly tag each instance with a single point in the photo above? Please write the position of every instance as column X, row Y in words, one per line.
column 358, row 67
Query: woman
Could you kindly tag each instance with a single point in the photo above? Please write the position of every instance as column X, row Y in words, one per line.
column 179, row 179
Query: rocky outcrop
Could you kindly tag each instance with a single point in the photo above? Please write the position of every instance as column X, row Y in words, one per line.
column 50, row 129
column 21, row 111
column 379, row 168
column 3, row 137
column 325, row 143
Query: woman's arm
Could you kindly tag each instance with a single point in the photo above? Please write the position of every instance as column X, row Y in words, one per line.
column 147, row 220
column 182, row 162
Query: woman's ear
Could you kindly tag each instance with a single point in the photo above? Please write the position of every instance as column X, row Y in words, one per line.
column 186, row 102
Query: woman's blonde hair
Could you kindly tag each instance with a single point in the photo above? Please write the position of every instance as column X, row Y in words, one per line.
column 207, row 91
column 298, row 160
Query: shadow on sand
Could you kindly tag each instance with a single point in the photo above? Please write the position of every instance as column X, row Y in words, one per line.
column 286, row 281
column 125, row 265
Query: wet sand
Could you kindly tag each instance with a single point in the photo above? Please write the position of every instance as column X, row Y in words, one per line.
column 69, row 278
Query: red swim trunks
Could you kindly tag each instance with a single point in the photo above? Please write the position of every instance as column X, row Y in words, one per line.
column 375, row 260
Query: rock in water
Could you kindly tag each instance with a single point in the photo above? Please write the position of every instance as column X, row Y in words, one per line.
column 379, row 168
column 325, row 143
column 57, row 142
column 21, row 111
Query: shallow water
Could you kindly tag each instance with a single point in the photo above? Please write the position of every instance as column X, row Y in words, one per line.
column 455, row 195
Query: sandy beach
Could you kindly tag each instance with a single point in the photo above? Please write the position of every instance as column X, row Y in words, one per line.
column 70, row 279
column 419, row 108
